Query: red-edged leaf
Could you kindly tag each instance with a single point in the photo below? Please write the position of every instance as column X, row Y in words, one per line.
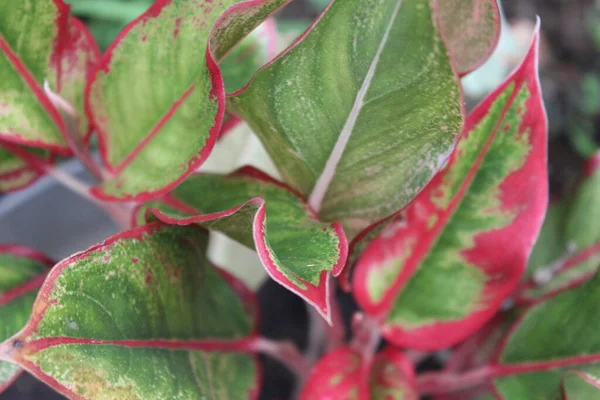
column 343, row 374
column 41, row 43
column 22, row 272
column 297, row 250
column 552, row 337
column 15, row 171
column 141, row 316
column 158, row 97
column 442, row 269
column 579, row 385
column 471, row 29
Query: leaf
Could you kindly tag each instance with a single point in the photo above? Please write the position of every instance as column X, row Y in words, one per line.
column 41, row 42
column 471, row 29
column 15, row 172
column 22, row 272
column 349, row 110
column 141, row 316
column 444, row 267
column 157, row 97
column 585, row 207
column 342, row 374
column 568, row 273
column 297, row 250
column 580, row 386
column 551, row 243
column 552, row 337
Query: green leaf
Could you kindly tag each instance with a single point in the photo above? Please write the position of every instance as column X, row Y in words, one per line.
column 157, row 98
column 296, row 249
column 342, row 374
column 445, row 265
column 471, row 29
column 22, row 272
column 551, row 244
column 347, row 112
column 141, row 316
column 15, row 172
column 585, row 207
column 42, row 43
column 578, row 385
column 551, row 338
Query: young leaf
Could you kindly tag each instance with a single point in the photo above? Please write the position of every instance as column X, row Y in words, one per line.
column 42, row 44
column 361, row 111
column 22, row 272
column 578, row 385
column 297, row 250
column 342, row 374
column 141, row 316
column 157, row 98
column 15, row 173
column 551, row 338
column 445, row 266
column 471, row 29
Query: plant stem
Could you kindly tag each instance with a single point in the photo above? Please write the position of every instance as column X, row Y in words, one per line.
column 286, row 353
column 445, row 382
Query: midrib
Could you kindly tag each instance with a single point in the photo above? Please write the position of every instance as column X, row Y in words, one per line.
column 318, row 194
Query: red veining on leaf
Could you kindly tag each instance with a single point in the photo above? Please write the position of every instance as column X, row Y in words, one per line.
column 507, row 267
column 248, row 298
column 43, row 100
column 25, row 288
column 588, row 379
column 23, row 251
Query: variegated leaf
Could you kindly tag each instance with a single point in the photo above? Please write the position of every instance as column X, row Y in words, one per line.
column 551, row 338
column 22, row 272
column 16, row 173
column 361, row 111
column 445, row 266
column 158, row 98
column 42, row 44
column 471, row 29
column 141, row 316
column 343, row 374
column 296, row 249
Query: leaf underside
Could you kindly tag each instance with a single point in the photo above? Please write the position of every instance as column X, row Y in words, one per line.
column 443, row 268
column 141, row 316
column 336, row 105
column 297, row 250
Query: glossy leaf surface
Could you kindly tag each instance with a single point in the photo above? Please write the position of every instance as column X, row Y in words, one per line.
column 351, row 108
column 42, row 43
column 471, row 29
column 158, row 98
column 22, row 272
column 297, row 250
column 581, row 386
column 445, row 266
column 141, row 316
column 552, row 337
column 343, row 375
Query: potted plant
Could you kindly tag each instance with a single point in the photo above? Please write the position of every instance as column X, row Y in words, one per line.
column 387, row 189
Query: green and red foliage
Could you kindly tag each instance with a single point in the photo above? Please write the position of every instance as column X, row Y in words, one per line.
column 427, row 215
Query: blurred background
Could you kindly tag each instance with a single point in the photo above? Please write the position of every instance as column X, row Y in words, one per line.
column 570, row 74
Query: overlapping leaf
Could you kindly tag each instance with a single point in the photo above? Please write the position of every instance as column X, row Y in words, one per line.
column 443, row 268
column 16, row 173
column 552, row 337
column 361, row 112
column 296, row 249
column 41, row 44
column 157, row 98
column 471, row 29
column 343, row 374
column 141, row 316
column 578, row 385
column 22, row 272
